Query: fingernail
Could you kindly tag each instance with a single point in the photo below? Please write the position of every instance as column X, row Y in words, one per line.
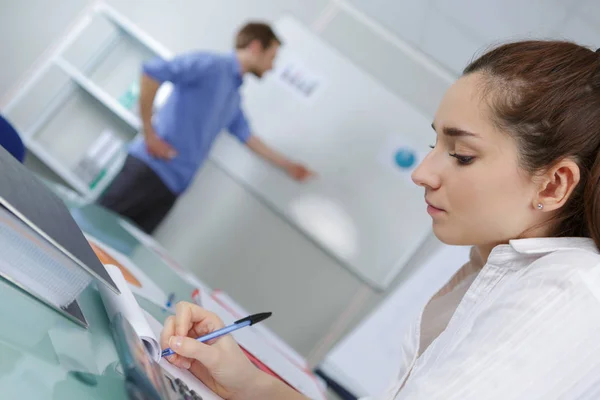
column 175, row 342
column 187, row 365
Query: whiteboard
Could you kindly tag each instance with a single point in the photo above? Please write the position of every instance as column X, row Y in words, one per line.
column 367, row 359
column 361, row 209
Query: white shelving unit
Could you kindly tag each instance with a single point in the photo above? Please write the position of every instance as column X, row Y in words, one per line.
column 95, row 91
column 80, row 81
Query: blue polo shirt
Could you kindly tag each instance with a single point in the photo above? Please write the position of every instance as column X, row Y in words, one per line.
column 204, row 101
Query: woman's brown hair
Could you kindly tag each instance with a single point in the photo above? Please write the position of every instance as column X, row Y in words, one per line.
column 546, row 95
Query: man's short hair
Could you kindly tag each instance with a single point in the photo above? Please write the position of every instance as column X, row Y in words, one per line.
column 256, row 31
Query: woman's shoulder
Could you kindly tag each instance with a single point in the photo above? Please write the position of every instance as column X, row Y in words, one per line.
column 570, row 259
column 571, row 267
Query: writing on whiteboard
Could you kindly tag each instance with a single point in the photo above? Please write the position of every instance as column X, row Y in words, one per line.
column 295, row 76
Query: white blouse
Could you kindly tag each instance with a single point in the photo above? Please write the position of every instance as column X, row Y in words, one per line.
column 527, row 327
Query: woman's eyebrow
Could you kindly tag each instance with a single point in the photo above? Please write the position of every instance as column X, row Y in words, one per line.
column 456, row 132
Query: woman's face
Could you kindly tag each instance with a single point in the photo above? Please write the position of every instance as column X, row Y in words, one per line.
column 475, row 190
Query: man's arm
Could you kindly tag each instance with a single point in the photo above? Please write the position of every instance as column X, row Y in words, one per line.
column 240, row 128
column 181, row 70
column 297, row 171
column 156, row 146
column 148, row 89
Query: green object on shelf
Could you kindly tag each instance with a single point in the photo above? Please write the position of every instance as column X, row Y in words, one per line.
column 130, row 97
column 97, row 179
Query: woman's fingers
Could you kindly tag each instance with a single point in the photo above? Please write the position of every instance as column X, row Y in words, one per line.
column 168, row 332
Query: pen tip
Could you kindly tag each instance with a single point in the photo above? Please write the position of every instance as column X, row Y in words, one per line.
column 256, row 318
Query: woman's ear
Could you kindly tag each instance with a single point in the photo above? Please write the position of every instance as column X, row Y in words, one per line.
column 557, row 184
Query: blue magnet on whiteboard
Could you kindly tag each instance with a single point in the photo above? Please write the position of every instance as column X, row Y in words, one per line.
column 405, row 158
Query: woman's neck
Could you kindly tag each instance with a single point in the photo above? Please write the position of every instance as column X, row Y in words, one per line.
column 485, row 250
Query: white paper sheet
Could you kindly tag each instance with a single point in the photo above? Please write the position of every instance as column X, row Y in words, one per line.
column 298, row 78
column 190, row 380
column 126, row 304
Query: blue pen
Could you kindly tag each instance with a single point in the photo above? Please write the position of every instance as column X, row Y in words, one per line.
column 251, row 320
column 170, row 300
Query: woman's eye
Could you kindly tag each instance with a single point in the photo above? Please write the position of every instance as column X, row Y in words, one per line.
column 463, row 160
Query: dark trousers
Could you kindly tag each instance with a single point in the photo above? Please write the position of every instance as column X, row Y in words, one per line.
column 139, row 194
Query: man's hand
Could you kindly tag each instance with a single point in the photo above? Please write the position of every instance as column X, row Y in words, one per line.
column 299, row 172
column 159, row 148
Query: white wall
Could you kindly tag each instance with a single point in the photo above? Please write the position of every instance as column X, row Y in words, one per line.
column 27, row 29
column 452, row 31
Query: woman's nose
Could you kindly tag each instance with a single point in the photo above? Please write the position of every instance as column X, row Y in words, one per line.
column 425, row 175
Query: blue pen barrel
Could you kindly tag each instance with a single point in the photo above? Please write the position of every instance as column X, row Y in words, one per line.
column 213, row 335
column 223, row 331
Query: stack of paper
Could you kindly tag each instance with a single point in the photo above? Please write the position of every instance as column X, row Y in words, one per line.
column 125, row 304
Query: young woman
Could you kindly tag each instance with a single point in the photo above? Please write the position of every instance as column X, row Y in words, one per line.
column 514, row 172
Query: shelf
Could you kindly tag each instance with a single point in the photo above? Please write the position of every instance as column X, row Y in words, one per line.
column 64, row 172
column 97, row 62
column 128, row 27
column 72, row 134
column 133, row 32
column 111, row 172
column 95, row 91
column 87, row 194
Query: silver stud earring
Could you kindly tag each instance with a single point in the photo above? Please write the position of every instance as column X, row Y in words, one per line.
column 540, row 206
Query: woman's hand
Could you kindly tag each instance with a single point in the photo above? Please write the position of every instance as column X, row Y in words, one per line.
column 220, row 364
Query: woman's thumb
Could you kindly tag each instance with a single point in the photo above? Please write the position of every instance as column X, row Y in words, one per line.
column 191, row 348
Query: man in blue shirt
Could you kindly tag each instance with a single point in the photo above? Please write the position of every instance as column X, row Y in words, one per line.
column 204, row 101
